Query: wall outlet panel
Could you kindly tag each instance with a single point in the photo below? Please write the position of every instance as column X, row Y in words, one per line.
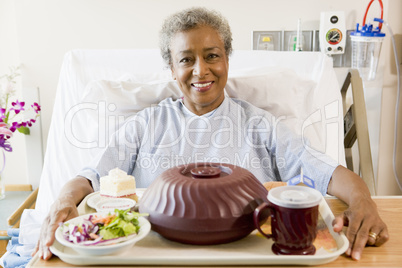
column 289, row 40
column 280, row 41
column 267, row 40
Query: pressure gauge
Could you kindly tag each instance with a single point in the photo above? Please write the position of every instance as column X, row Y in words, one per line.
column 332, row 31
column 334, row 36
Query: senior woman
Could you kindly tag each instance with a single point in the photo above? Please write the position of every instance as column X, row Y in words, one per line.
column 205, row 125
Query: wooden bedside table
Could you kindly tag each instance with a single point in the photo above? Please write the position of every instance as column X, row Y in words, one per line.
column 18, row 198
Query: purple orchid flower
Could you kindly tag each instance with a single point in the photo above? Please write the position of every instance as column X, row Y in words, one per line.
column 18, row 106
column 10, row 122
column 2, row 114
column 29, row 122
column 36, row 107
column 14, row 126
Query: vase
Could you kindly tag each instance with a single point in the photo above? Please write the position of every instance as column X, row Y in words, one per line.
column 2, row 180
column 2, row 188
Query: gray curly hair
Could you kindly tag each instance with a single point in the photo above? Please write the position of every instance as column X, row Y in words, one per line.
column 189, row 19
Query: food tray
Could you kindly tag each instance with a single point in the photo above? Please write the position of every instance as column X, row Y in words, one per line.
column 251, row 250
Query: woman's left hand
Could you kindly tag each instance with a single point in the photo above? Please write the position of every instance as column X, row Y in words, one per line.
column 365, row 227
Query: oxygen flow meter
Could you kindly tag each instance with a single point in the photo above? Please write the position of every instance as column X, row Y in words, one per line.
column 332, row 32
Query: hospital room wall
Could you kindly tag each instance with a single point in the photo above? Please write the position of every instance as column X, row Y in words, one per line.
column 387, row 183
column 39, row 32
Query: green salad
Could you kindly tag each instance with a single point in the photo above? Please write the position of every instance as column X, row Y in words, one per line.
column 103, row 229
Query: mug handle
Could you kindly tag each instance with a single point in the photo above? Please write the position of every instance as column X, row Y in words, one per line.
column 256, row 215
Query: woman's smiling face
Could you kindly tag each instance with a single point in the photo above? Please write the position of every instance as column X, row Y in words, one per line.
column 200, row 66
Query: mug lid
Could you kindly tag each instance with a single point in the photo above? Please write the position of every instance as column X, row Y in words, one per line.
column 294, row 196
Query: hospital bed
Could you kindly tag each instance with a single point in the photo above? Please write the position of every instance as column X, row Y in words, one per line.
column 98, row 89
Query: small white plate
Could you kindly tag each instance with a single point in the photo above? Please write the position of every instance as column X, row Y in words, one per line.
column 110, row 204
column 99, row 250
column 94, row 198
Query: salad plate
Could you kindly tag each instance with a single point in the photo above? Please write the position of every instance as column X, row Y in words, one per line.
column 73, row 233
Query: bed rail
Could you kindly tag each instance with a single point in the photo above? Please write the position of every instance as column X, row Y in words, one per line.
column 356, row 129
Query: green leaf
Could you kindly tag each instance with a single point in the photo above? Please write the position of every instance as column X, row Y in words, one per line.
column 24, row 130
column 109, row 233
column 129, row 228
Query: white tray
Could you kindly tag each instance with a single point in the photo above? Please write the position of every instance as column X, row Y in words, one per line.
column 251, row 250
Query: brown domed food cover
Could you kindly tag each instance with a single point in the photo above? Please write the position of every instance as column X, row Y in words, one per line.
column 203, row 203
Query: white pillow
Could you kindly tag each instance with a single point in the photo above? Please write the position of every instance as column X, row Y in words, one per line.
column 105, row 105
column 279, row 91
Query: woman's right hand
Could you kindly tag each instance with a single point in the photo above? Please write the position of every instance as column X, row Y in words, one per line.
column 62, row 210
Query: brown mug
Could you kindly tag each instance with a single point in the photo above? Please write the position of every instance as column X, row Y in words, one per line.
column 293, row 212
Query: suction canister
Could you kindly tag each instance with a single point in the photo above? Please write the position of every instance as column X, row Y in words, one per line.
column 366, row 48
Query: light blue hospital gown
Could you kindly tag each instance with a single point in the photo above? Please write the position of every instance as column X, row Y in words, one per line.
column 237, row 132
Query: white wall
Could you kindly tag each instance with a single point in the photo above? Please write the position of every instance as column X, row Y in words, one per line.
column 42, row 31
column 16, row 162
column 387, row 184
